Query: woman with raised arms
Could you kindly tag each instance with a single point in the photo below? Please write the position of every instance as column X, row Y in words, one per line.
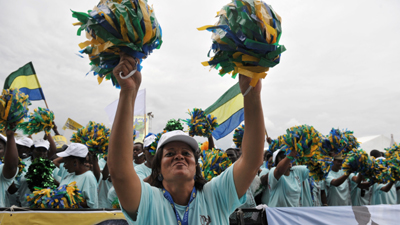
column 178, row 194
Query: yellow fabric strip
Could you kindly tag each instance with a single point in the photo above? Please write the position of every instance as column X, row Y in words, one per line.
column 100, row 48
column 30, row 82
column 204, row 27
column 147, row 22
column 228, row 109
column 124, row 31
column 110, row 21
column 77, row 24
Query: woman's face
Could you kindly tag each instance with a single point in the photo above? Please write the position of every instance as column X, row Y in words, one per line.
column 178, row 162
column 69, row 164
column 137, row 149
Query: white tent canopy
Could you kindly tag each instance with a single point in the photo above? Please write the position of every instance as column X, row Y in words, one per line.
column 378, row 142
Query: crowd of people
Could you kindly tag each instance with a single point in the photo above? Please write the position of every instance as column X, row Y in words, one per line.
column 149, row 176
column 278, row 184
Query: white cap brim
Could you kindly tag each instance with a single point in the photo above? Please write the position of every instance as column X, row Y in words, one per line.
column 177, row 135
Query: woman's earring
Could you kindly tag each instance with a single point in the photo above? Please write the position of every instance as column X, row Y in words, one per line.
column 160, row 177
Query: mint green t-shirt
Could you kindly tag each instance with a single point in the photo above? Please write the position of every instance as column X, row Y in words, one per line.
column 212, row 205
column 87, row 184
column 286, row 191
column 103, row 189
column 102, row 163
column 265, row 193
column 306, row 199
column 355, row 192
column 22, row 186
column 380, row 197
column 4, row 185
column 337, row 196
column 398, row 191
column 142, row 171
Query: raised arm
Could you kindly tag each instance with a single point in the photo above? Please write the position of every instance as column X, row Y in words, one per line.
column 125, row 180
column 339, row 181
column 247, row 166
column 283, row 165
column 10, row 156
column 385, row 188
column 53, row 147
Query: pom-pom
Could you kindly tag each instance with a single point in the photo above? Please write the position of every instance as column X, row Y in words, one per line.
column 392, row 155
column 63, row 197
column 153, row 146
column 134, row 134
column 115, row 204
column 305, row 140
column 214, row 162
column 40, row 120
column 118, row 26
column 172, row 125
column 95, row 136
column 238, row 136
column 338, row 141
column 358, row 161
column 13, row 107
column 201, row 124
column 246, row 39
column 319, row 166
column 40, row 174
column 276, row 144
column 352, row 142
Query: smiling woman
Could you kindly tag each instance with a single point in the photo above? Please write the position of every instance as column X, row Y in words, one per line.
column 178, row 193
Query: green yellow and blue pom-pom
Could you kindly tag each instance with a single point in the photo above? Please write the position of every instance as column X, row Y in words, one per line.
column 153, row 146
column 63, row 197
column 115, row 204
column 116, row 26
column 352, row 142
column 238, row 136
column 304, row 139
column 40, row 174
column 13, row 108
column 95, row 136
column 392, row 155
column 338, row 141
column 213, row 163
column 246, row 39
column 276, row 144
column 201, row 124
column 40, row 120
column 173, row 124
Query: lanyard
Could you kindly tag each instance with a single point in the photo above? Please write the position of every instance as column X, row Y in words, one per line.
column 185, row 221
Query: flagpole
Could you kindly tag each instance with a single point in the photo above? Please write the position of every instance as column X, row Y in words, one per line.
column 45, row 102
column 266, row 133
column 145, row 121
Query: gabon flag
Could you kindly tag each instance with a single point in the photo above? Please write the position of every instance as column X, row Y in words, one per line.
column 26, row 81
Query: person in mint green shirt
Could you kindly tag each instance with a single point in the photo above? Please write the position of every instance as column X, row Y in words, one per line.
column 398, row 191
column 359, row 190
column 144, row 170
column 177, row 193
column 9, row 169
column 384, row 194
column 285, row 182
column 138, row 155
column 337, row 184
column 74, row 158
column 264, row 181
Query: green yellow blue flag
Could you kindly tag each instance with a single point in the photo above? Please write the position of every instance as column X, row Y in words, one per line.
column 229, row 111
column 26, row 81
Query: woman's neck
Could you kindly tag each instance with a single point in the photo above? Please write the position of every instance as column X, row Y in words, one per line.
column 179, row 191
column 81, row 170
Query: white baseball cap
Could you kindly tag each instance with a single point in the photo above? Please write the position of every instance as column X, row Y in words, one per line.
column 24, row 141
column 274, row 155
column 177, row 135
column 41, row 144
column 150, row 139
column 3, row 138
column 74, row 149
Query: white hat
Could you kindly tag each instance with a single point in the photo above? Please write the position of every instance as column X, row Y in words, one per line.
column 41, row 144
column 24, row 141
column 150, row 139
column 74, row 149
column 381, row 157
column 177, row 135
column 3, row 138
column 274, row 155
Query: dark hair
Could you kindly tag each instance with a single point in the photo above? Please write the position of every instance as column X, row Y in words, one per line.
column 375, row 153
column 234, row 150
column 138, row 143
column 80, row 160
column 199, row 181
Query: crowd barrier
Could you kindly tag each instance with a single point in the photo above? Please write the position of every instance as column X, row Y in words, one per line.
column 342, row 215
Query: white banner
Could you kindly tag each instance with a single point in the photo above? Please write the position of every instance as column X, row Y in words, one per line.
column 343, row 215
column 140, row 106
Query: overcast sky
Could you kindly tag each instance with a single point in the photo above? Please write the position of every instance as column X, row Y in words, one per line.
column 340, row 69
